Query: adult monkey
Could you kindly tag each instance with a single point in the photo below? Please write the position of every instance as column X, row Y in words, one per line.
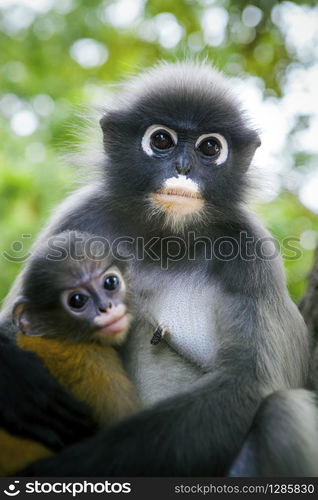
column 178, row 147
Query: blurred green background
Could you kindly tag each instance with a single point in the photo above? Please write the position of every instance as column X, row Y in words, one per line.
column 56, row 56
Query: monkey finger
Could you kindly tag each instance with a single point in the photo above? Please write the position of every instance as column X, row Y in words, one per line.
column 157, row 336
column 69, row 462
column 48, row 437
column 72, row 422
column 56, row 422
column 55, row 433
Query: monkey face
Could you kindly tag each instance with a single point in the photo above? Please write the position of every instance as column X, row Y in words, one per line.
column 182, row 146
column 99, row 302
column 182, row 194
column 92, row 306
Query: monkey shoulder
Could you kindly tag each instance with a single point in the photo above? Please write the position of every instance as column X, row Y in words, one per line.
column 71, row 361
column 92, row 372
column 86, row 209
column 247, row 259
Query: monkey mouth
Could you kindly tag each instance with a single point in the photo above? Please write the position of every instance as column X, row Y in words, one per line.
column 177, row 201
column 178, row 192
column 113, row 325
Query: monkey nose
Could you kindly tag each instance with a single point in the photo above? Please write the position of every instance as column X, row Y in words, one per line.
column 103, row 308
column 183, row 168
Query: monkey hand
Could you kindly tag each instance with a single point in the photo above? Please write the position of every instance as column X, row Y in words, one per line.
column 158, row 335
column 111, row 452
column 159, row 441
column 154, row 442
column 34, row 405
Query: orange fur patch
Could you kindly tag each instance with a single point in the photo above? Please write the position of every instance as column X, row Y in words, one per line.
column 177, row 202
column 17, row 453
column 93, row 373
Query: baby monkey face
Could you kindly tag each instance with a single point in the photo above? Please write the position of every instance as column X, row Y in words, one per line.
column 99, row 300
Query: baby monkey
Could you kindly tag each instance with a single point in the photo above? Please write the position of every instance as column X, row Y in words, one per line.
column 74, row 309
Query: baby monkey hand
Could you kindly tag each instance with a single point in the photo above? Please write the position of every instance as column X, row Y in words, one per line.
column 158, row 335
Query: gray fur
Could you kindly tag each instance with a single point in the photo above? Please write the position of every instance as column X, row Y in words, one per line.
column 159, row 372
column 234, row 330
column 284, row 418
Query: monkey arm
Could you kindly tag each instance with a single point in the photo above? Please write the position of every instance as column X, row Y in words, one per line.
column 191, row 435
column 283, row 438
column 33, row 404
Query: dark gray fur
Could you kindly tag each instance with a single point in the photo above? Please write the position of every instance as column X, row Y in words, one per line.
column 260, row 342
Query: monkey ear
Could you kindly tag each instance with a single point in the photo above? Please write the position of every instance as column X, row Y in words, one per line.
column 21, row 315
column 106, row 120
column 110, row 120
column 250, row 150
column 103, row 122
column 257, row 141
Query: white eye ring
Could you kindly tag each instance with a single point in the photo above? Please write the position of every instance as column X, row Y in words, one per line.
column 223, row 143
column 145, row 142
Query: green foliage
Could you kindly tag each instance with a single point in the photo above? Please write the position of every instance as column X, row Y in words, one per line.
column 36, row 60
column 288, row 219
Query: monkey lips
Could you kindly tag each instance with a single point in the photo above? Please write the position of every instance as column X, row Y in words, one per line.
column 178, row 196
column 114, row 321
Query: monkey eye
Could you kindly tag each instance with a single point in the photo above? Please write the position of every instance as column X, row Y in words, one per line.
column 161, row 140
column 111, row 282
column 158, row 138
column 77, row 300
column 210, row 147
column 213, row 146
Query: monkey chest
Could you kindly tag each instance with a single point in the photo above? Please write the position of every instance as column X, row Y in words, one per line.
column 185, row 308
